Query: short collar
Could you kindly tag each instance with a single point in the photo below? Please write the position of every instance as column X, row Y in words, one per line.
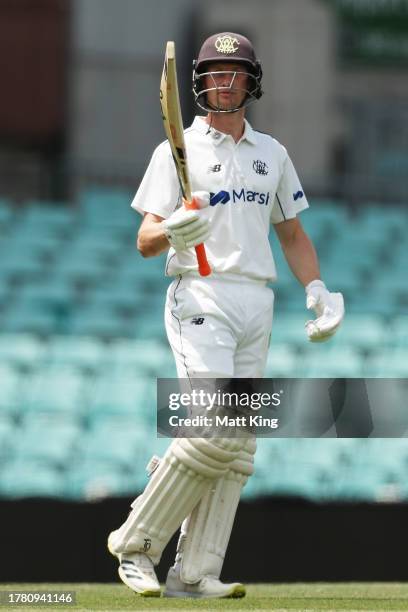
column 201, row 126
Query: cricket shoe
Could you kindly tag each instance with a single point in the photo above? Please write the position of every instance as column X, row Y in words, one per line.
column 209, row 587
column 137, row 572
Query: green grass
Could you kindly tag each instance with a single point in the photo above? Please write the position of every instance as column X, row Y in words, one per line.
column 294, row 597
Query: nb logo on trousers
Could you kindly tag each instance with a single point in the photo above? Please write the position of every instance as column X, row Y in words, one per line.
column 197, row 321
column 147, row 544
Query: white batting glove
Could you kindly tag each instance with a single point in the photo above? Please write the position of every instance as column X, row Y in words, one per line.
column 187, row 228
column 329, row 309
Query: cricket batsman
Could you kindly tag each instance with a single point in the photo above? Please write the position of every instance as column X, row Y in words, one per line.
column 219, row 325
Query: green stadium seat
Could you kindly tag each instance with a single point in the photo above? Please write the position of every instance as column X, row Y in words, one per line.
column 16, row 267
column 6, row 212
column 57, row 389
column 361, row 331
column 48, row 440
column 118, row 297
column 121, row 396
column 391, row 363
column 14, row 387
column 79, row 352
column 122, row 448
column 95, row 321
column 32, row 245
column 56, row 297
column 144, row 357
column 290, row 328
column 48, row 212
column 399, row 330
column 20, row 479
column 7, row 435
column 107, row 207
column 21, row 350
column 93, row 480
column 77, row 270
column 281, row 361
column 23, row 318
column 332, row 361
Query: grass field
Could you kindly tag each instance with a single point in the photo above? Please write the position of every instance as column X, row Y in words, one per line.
column 294, row 597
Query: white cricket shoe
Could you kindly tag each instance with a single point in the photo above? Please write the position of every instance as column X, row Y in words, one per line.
column 137, row 572
column 209, row 587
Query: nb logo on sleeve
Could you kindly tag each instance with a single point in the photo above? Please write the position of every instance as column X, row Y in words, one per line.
column 299, row 194
column 197, row 321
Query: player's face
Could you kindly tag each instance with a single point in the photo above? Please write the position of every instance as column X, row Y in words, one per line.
column 228, row 82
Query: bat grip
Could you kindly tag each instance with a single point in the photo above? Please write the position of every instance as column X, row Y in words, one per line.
column 203, row 265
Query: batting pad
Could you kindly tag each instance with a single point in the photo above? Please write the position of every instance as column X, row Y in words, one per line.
column 206, row 532
column 177, row 484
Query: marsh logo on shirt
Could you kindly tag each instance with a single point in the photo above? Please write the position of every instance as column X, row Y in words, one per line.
column 236, row 196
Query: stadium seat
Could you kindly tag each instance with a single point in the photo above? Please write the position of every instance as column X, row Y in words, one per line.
column 360, row 331
column 77, row 351
column 336, row 360
column 19, row 479
column 95, row 320
column 7, row 435
column 281, row 361
column 13, row 390
column 47, row 440
column 16, row 267
column 144, row 357
column 122, row 448
column 75, row 270
column 392, row 363
column 121, row 396
column 289, row 328
column 23, row 318
column 57, row 389
column 6, row 213
column 24, row 351
column 93, row 479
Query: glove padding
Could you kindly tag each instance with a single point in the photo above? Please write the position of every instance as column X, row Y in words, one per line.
column 329, row 309
column 187, row 228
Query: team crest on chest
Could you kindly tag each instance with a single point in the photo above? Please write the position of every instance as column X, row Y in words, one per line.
column 226, row 44
column 260, row 167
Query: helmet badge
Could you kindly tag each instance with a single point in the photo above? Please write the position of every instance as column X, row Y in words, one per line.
column 226, row 44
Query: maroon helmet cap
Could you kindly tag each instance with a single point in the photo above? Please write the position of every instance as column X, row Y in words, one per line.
column 226, row 46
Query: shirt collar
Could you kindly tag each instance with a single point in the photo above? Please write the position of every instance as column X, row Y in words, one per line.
column 201, row 126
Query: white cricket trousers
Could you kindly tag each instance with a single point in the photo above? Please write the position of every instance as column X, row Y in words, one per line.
column 219, row 326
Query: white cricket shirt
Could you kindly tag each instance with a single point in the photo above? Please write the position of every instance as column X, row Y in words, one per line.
column 252, row 183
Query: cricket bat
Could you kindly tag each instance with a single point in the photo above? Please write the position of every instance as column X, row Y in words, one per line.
column 173, row 126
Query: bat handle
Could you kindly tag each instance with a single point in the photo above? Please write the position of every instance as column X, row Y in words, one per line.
column 203, row 265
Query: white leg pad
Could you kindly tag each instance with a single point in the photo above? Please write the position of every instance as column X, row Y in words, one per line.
column 206, row 532
column 177, row 484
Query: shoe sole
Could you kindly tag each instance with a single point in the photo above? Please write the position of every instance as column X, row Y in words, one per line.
column 237, row 593
column 122, row 576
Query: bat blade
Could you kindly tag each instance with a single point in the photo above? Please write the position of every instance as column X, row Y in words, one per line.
column 173, row 126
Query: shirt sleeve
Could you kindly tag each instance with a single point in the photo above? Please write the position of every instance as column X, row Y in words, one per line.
column 159, row 192
column 290, row 198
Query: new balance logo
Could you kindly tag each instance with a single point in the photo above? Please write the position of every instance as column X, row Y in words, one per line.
column 260, row 167
column 147, row 544
column 298, row 195
column 215, row 168
column 197, row 321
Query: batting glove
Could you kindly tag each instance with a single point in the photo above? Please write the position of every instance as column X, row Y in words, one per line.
column 329, row 309
column 187, row 228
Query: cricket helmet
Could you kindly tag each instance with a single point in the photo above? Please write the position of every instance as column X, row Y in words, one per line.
column 226, row 47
